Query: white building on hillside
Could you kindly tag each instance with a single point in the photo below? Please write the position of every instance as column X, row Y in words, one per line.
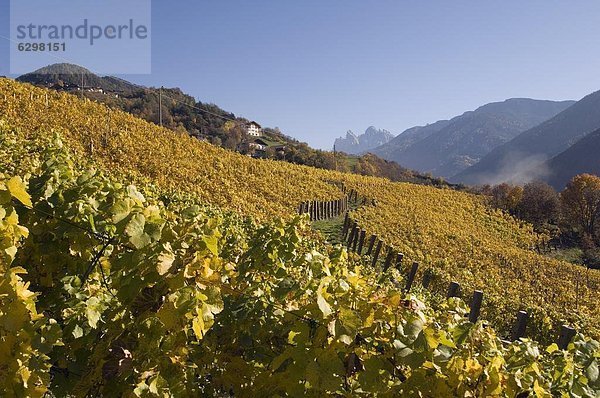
column 253, row 129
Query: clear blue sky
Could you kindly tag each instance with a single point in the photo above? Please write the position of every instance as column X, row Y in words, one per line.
column 318, row 68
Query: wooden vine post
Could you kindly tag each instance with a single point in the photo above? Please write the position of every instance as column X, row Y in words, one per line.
column 388, row 259
column 475, row 306
column 411, row 276
column 361, row 241
column 345, row 227
column 371, row 244
column 453, row 289
column 356, row 237
column 566, row 335
column 377, row 251
column 399, row 259
column 520, row 326
column 351, row 238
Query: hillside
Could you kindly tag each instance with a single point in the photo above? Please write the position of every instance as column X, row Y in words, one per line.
column 190, row 281
column 182, row 299
column 522, row 158
column 407, row 138
column 118, row 142
column 180, row 111
column 581, row 157
column 465, row 139
column 208, row 122
column 176, row 160
column 69, row 76
column 357, row 144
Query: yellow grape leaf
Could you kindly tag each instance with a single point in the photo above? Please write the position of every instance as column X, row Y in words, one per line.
column 154, row 386
column 165, row 261
column 198, row 327
column 551, row 348
column 445, row 341
column 394, row 301
column 540, row 392
column 473, row 367
column 11, row 251
column 291, row 336
column 211, row 244
column 323, row 305
column 370, row 319
column 17, row 190
column 431, row 338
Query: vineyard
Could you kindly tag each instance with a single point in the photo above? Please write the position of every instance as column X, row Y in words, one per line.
column 154, row 155
column 140, row 263
column 457, row 237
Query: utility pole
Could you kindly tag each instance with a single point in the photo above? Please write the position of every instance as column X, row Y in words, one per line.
column 160, row 106
column 335, row 158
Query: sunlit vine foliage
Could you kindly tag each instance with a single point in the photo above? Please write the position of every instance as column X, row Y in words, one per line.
column 119, row 141
column 455, row 236
column 110, row 292
column 134, row 322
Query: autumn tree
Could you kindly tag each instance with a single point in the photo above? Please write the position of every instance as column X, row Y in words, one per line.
column 506, row 197
column 539, row 204
column 581, row 204
column 364, row 167
column 228, row 126
column 233, row 137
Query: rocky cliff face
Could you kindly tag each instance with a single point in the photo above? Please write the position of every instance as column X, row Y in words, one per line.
column 371, row 138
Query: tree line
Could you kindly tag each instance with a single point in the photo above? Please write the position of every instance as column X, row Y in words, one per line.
column 570, row 217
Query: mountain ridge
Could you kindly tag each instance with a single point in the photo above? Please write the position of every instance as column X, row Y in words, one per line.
column 357, row 144
column 446, row 147
column 581, row 157
column 64, row 75
column 525, row 157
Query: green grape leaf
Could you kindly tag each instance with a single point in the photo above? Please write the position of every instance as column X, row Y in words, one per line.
column 211, row 244
column 592, row 371
column 140, row 241
column 92, row 311
column 349, row 321
column 135, row 226
column 120, row 211
column 135, row 231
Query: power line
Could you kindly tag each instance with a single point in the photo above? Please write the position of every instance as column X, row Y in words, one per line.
column 160, row 106
column 161, row 93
